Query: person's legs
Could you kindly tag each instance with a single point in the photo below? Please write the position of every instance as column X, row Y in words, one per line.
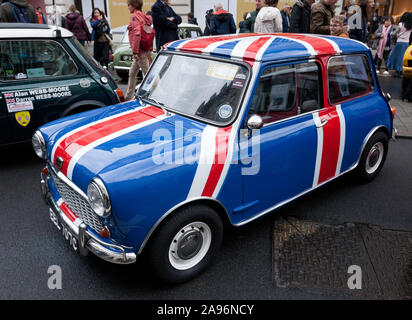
column 144, row 61
column 131, row 85
column 378, row 63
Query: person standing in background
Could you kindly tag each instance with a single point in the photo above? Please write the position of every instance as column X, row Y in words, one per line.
column 222, row 22
column 337, row 27
column 367, row 9
column 385, row 38
column 208, row 16
column 165, row 22
column 251, row 17
column 242, row 23
column 141, row 57
column 286, row 17
column 40, row 16
column 26, row 10
column 300, row 19
column 321, row 14
column 269, row 18
column 402, row 43
column 76, row 24
column 191, row 18
column 100, row 36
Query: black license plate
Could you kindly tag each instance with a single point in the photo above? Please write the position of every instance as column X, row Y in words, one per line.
column 65, row 231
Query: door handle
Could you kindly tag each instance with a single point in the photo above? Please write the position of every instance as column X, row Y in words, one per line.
column 322, row 123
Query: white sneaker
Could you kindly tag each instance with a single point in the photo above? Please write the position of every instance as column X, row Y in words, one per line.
column 378, row 72
column 385, row 73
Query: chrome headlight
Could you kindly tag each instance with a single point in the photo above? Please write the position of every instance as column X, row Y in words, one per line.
column 39, row 145
column 99, row 198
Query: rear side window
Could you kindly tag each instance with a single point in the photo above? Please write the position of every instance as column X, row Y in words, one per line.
column 31, row 59
column 349, row 77
column 287, row 91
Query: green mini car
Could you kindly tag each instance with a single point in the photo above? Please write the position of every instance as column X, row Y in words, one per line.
column 123, row 57
column 46, row 74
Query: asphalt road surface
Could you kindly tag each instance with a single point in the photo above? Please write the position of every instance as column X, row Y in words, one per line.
column 30, row 243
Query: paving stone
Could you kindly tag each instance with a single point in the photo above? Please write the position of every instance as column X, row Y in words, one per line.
column 317, row 256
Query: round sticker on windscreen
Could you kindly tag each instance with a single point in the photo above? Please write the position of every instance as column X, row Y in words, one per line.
column 225, row 111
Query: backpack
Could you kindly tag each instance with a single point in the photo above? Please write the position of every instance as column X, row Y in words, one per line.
column 19, row 13
column 147, row 34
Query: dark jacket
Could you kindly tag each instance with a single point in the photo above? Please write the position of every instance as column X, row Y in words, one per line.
column 99, row 28
column 76, row 24
column 166, row 30
column 249, row 25
column 222, row 23
column 362, row 33
column 285, row 21
column 321, row 15
column 208, row 17
column 300, row 19
column 6, row 13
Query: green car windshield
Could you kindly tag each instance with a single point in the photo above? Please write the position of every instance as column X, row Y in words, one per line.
column 207, row 89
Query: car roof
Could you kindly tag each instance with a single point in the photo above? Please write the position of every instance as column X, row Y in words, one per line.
column 268, row 47
column 31, row 30
column 188, row 25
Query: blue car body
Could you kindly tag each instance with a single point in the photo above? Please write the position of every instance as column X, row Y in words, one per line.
column 295, row 156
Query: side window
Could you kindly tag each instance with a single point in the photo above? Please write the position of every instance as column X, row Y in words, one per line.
column 349, row 77
column 21, row 60
column 287, row 91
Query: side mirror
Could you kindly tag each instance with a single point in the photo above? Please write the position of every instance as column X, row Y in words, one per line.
column 255, row 122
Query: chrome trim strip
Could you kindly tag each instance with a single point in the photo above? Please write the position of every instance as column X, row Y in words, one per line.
column 121, row 68
column 67, row 181
column 89, row 241
column 172, row 210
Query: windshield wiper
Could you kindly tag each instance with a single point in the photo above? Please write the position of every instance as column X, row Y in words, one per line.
column 160, row 104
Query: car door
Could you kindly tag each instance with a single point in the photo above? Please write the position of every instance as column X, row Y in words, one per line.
column 352, row 92
column 5, row 131
column 39, row 77
column 288, row 98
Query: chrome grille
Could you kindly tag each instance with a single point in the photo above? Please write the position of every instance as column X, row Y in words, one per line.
column 77, row 204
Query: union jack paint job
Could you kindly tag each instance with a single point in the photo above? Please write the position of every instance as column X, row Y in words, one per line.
column 296, row 156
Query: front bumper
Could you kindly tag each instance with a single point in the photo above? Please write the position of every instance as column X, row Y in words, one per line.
column 88, row 242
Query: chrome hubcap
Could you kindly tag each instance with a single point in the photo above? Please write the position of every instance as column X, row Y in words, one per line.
column 190, row 245
column 374, row 158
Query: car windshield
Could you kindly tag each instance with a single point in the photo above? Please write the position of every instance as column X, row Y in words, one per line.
column 207, row 89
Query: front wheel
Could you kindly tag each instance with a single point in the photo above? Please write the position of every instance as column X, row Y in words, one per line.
column 373, row 157
column 185, row 244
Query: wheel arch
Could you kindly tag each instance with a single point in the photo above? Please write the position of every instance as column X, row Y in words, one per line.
column 380, row 128
column 216, row 205
column 80, row 106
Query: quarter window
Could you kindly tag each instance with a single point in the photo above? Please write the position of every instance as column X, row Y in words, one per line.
column 20, row 60
column 349, row 77
column 287, row 91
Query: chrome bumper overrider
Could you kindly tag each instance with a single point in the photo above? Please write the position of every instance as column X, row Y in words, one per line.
column 88, row 242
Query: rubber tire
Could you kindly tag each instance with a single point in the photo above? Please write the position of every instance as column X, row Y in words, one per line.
column 362, row 175
column 157, row 253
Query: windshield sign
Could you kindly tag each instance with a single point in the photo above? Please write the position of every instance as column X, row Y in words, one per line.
column 203, row 88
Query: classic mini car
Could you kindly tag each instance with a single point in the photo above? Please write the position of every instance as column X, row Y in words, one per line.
column 45, row 74
column 223, row 130
column 123, row 57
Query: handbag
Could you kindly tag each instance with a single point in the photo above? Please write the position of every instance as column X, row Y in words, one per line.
column 109, row 39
